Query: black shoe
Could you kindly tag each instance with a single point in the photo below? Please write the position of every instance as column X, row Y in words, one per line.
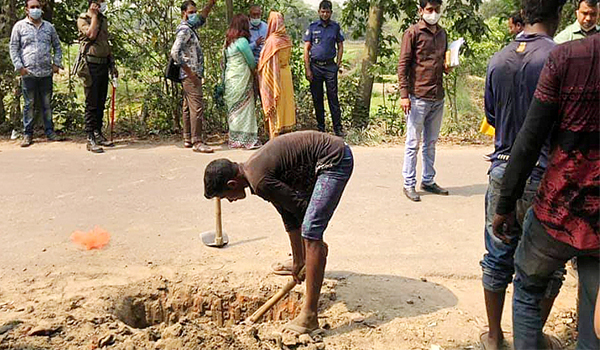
column 340, row 133
column 27, row 140
column 92, row 145
column 320, row 129
column 435, row 189
column 54, row 138
column 412, row 194
column 101, row 140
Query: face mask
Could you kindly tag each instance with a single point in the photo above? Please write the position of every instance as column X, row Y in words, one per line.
column 35, row 14
column 103, row 7
column 193, row 19
column 255, row 22
column 432, row 18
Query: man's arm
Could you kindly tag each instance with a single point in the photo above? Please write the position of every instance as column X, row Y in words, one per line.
column 488, row 97
column 94, row 27
column 57, row 59
column 15, row 51
column 206, row 10
column 340, row 53
column 283, row 196
column 404, row 63
column 309, row 74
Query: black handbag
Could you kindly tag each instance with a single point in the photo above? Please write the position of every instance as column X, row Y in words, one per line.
column 173, row 71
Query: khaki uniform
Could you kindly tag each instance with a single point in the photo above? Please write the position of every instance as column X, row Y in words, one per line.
column 98, row 61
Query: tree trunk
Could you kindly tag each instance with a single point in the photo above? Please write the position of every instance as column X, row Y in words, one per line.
column 229, row 13
column 373, row 33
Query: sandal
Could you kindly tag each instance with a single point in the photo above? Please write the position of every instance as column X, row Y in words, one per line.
column 201, row 148
column 296, row 330
column 187, row 144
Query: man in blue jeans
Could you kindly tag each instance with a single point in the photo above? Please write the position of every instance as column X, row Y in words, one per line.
column 563, row 220
column 303, row 174
column 512, row 77
column 420, row 74
column 31, row 44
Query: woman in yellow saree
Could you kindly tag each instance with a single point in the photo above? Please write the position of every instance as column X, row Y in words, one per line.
column 275, row 78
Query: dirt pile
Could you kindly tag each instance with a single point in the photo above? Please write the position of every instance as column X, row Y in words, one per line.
column 160, row 314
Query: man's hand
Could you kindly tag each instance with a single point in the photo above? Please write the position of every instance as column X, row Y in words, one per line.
column 260, row 41
column 502, row 226
column 94, row 9
column 23, row 71
column 309, row 74
column 115, row 72
column 55, row 69
column 405, row 104
column 296, row 268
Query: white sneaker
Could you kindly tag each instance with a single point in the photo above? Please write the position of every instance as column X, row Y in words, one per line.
column 15, row 135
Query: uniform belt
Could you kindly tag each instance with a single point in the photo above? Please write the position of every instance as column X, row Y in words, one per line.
column 322, row 63
column 97, row 60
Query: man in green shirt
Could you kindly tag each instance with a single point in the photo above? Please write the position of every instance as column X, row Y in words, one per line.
column 586, row 24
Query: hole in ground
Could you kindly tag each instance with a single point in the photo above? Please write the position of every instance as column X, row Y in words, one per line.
column 223, row 307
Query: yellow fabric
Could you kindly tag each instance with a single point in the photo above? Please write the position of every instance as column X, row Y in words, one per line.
column 272, row 85
column 286, row 107
column 486, row 128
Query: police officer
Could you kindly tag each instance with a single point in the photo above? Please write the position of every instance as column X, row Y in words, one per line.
column 96, row 51
column 322, row 62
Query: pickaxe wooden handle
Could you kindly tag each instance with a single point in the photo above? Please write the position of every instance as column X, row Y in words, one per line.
column 274, row 299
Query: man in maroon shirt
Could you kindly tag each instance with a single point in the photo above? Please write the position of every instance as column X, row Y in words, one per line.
column 564, row 220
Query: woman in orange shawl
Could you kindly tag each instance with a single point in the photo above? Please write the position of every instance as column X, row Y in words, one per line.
column 275, row 78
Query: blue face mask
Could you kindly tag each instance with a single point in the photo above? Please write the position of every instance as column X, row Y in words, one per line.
column 255, row 22
column 193, row 19
column 35, row 14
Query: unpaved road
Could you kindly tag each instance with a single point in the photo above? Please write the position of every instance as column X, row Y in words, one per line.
column 149, row 196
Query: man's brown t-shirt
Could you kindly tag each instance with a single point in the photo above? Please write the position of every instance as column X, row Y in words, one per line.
column 285, row 170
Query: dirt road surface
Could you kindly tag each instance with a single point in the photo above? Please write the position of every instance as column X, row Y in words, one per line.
column 400, row 275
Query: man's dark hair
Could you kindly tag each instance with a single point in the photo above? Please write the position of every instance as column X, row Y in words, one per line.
column 538, row 11
column 516, row 18
column 325, row 5
column 27, row 3
column 424, row 3
column 254, row 6
column 217, row 174
column 590, row 3
column 186, row 4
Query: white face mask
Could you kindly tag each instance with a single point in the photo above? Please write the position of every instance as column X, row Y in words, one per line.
column 432, row 18
column 103, row 7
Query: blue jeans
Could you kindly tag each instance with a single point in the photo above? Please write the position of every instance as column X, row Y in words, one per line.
column 40, row 89
column 326, row 196
column 424, row 120
column 498, row 262
column 537, row 257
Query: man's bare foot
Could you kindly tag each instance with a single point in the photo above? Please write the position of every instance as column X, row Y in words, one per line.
column 303, row 324
column 488, row 343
